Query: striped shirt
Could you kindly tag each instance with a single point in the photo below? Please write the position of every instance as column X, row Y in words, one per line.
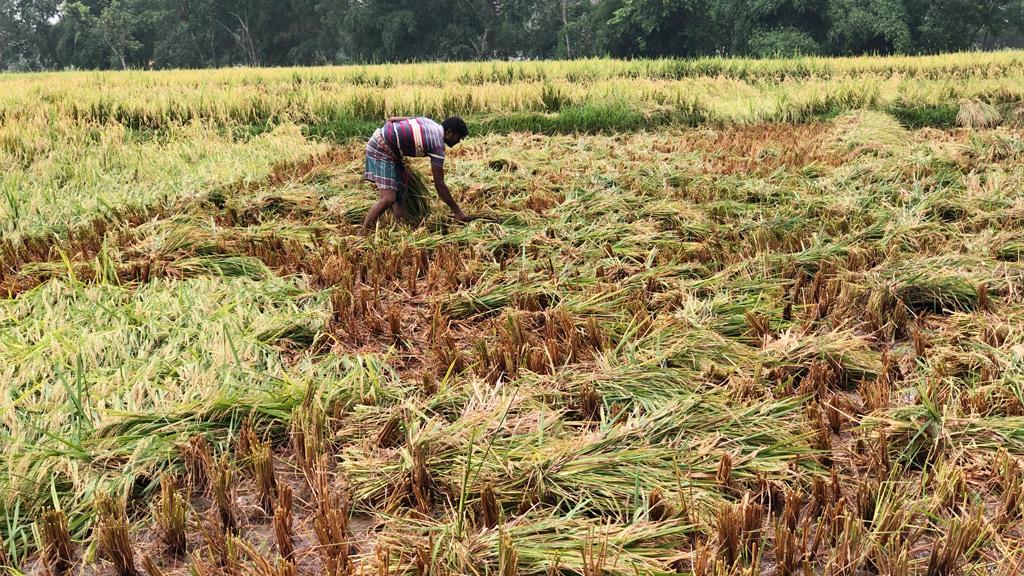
column 417, row 137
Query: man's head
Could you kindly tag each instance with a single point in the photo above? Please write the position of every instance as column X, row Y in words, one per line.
column 454, row 130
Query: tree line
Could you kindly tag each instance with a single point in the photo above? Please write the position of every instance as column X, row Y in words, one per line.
column 90, row 34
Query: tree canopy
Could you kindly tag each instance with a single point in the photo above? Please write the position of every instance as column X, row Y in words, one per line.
column 55, row 34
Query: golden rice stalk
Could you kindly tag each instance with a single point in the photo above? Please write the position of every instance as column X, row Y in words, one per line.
column 261, row 566
column 963, row 536
column 739, row 529
column 170, row 515
column 246, row 441
column 150, row 567
column 57, row 545
column 488, row 510
column 309, row 436
column 875, row 393
column 848, row 553
column 283, row 522
column 330, row 524
column 395, row 325
column 383, row 559
column 262, row 465
column 113, row 540
column 724, row 474
column 198, row 461
column 424, row 559
column 421, row 480
column 508, row 556
column 1011, row 481
column 198, row 567
column 977, row 114
column 224, row 493
column 948, row 485
column 390, row 435
column 595, row 555
column 704, row 560
column 821, row 497
column 758, row 326
column 286, row 568
column 788, row 549
column 658, row 508
column 588, row 402
column 221, row 548
column 792, row 509
column 921, row 342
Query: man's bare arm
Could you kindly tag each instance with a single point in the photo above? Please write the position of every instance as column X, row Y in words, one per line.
column 444, row 193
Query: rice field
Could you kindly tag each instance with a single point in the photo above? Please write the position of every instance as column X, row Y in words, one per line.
column 714, row 317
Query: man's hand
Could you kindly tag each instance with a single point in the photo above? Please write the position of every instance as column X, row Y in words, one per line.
column 444, row 193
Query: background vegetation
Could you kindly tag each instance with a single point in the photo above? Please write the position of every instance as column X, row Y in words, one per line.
column 36, row 34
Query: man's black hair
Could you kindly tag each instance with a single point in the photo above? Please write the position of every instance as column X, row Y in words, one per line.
column 457, row 125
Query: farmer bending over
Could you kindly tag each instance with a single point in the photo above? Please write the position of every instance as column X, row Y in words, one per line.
column 401, row 137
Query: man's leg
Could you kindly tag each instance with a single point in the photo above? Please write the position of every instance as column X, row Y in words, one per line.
column 387, row 200
column 401, row 212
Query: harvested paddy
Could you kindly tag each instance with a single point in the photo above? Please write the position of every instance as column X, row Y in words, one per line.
column 722, row 348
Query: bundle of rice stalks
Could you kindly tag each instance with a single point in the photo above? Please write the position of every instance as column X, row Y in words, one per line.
column 849, row 355
column 288, row 333
column 1015, row 115
column 543, row 545
column 416, row 196
column 935, row 291
column 977, row 114
column 869, row 131
column 220, row 265
column 1010, row 251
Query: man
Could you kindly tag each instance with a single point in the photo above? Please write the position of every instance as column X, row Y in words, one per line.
column 409, row 137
